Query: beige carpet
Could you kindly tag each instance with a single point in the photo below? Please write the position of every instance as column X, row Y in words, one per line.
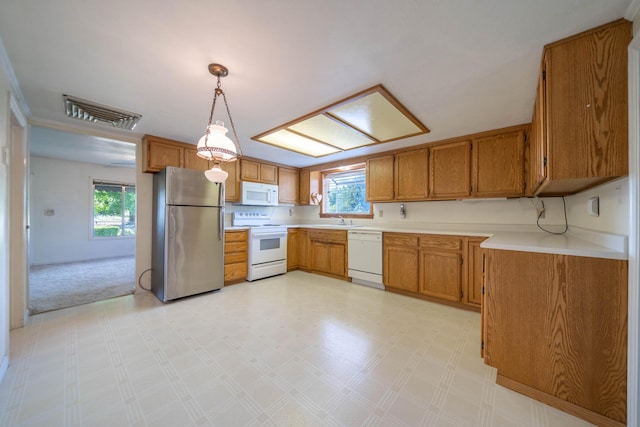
column 57, row 286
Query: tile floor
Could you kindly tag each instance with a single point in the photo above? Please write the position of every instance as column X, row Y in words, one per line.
column 293, row 350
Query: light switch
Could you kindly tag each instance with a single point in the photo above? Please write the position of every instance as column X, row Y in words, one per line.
column 593, row 206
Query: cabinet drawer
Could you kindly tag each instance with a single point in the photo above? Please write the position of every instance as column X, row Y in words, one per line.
column 443, row 243
column 234, row 247
column 236, row 236
column 236, row 271
column 328, row 236
column 231, row 258
column 400, row 240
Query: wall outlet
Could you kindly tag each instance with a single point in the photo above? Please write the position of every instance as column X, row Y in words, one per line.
column 593, row 206
column 540, row 212
column 380, row 213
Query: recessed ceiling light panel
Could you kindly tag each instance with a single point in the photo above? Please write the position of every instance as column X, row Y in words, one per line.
column 369, row 117
column 298, row 143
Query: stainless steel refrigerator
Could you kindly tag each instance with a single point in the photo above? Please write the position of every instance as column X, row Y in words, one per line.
column 188, row 234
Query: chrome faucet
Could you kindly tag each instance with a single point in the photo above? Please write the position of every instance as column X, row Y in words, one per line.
column 342, row 220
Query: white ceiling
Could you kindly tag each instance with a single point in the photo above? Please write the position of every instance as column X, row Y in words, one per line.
column 458, row 66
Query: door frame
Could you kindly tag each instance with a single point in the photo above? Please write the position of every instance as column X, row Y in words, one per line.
column 18, row 215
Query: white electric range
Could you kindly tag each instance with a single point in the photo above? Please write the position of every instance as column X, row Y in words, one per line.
column 267, row 244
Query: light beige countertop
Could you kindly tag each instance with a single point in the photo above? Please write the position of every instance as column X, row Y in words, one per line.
column 524, row 238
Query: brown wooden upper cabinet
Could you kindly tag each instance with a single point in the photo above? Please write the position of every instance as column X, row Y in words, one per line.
column 498, row 165
column 450, row 170
column 410, row 175
column 310, row 187
column 380, row 179
column 580, row 121
column 232, row 184
column 258, row 172
column 158, row 153
column 288, row 184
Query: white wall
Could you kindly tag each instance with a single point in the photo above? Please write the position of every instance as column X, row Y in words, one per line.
column 614, row 208
column 65, row 187
column 483, row 212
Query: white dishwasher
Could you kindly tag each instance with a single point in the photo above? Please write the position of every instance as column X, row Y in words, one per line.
column 365, row 257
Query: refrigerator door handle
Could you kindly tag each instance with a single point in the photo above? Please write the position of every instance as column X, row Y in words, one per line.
column 221, row 224
column 221, row 195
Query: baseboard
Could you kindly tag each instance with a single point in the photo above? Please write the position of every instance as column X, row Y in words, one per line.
column 563, row 405
column 3, row 367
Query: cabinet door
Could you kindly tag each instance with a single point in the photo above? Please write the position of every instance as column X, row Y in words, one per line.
column 498, row 165
column 411, row 175
column 288, row 182
column 303, row 244
column 473, row 293
column 232, row 184
column 537, row 156
column 160, row 155
column 441, row 274
column 380, row 179
column 249, row 170
column 450, row 170
column 401, row 263
column 293, row 249
column 192, row 161
column 305, row 191
column 564, row 334
column 328, row 258
column 268, row 174
column 587, row 108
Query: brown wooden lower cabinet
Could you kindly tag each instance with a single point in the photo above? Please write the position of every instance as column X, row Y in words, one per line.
column 328, row 252
column 400, row 261
column 555, row 327
column 236, row 256
column 297, row 243
column 435, row 267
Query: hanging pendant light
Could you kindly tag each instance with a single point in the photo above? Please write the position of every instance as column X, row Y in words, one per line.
column 214, row 145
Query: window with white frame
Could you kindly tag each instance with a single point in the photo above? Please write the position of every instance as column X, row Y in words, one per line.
column 114, row 209
column 345, row 192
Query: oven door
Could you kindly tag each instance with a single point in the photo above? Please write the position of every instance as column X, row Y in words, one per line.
column 267, row 246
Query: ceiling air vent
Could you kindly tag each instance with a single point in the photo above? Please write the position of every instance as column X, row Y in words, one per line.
column 82, row 109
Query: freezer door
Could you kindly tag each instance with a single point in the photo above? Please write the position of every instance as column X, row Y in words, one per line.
column 188, row 187
column 194, row 251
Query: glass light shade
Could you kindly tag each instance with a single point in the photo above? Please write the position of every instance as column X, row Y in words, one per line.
column 216, row 145
column 215, row 174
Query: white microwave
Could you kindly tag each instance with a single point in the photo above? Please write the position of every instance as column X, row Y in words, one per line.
column 256, row 194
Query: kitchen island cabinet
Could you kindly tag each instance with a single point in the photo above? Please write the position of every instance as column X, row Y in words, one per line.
column 236, row 256
column 555, row 327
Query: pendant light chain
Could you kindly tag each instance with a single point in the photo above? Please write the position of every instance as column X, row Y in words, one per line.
column 233, row 127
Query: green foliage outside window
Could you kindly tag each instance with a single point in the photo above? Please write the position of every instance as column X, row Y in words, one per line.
column 346, row 192
column 114, row 210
